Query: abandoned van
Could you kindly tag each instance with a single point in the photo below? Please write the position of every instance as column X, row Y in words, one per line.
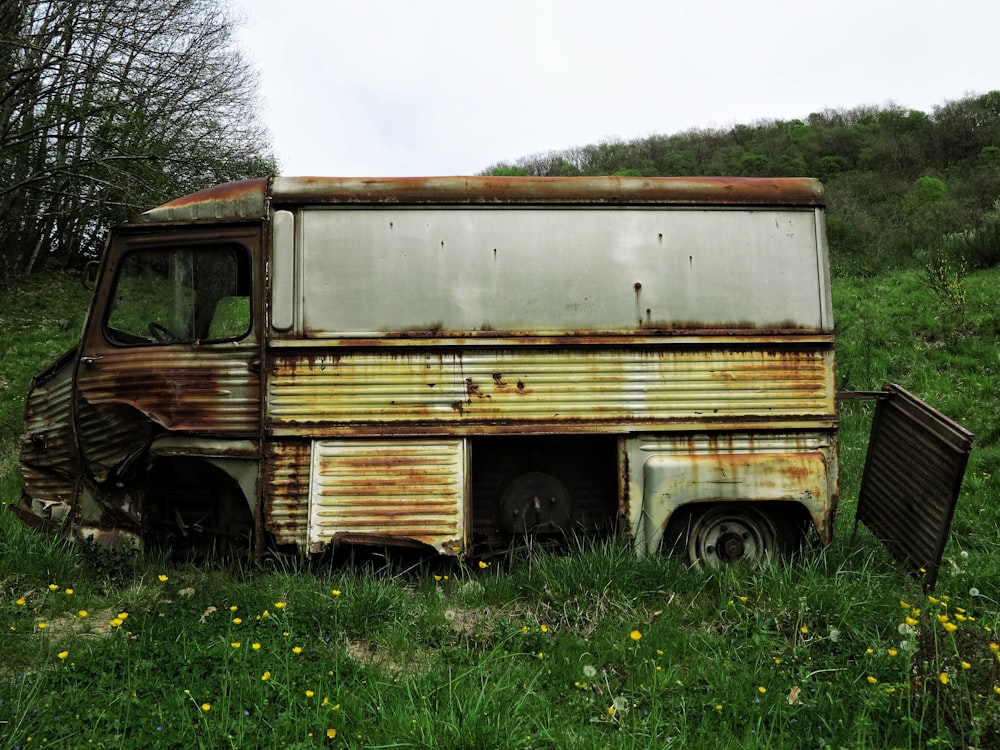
column 451, row 362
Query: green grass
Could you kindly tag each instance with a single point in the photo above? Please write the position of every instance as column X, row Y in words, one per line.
column 536, row 649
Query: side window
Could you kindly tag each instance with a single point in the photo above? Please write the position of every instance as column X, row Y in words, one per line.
column 181, row 294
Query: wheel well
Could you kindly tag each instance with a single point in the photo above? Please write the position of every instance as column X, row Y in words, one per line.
column 195, row 508
column 790, row 518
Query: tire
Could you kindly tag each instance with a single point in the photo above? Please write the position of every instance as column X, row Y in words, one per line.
column 727, row 533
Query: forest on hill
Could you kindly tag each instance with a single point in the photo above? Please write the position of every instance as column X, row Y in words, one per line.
column 903, row 187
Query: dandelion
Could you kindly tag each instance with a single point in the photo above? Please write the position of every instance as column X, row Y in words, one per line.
column 950, row 627
column 912, row 621
column 804, row 630
column 162, row 578
column 206, row 707
column 266, row 676
column 331, row 733
column 943, row 677
column 280, row 605
column 540, row 655
column 310, row 693
column 20, row 602
column 237, row 620
column 436, row 578
column 255, row 646
column 82, row 613
column 635, row 635
column 994, row 646
column 966, row 665
column 544, row 628
column 869, row 651
column 296, row 649
column 973, row 591
column 761, row 689
column 872, row 680
column 483, row 565
column 53, row 587
column 69, row 592
column 777, row 660
column 892, row 652
column 904, row 605
column 233, row 608
column 63, row 654
column 336, row 592
column 524, row 630
column 611, row 710
column 42, row 625
column 996, row 689
column 116, row 622
column 718, row 706
column 235, row 644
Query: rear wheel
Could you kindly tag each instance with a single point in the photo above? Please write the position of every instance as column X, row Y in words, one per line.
column 722, row 533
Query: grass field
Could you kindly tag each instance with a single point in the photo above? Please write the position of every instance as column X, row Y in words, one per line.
column 578, row 648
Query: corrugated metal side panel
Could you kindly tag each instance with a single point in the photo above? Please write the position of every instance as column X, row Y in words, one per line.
column 204, row 389
column 49, row 460
column 547, row 386
column 398, row 489
column 912, row 477
column 287, row 495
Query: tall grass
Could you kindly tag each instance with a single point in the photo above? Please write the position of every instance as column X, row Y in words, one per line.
column 575, row 648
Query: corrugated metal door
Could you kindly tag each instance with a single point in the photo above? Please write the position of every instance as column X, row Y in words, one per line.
column 912, row 478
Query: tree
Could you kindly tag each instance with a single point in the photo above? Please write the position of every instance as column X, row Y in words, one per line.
column 110, row 106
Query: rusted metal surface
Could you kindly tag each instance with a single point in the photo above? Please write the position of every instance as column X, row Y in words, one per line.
column 50, row 462
column 231, row 201
column 287, row 497
column 912, row 478
column 549, row 190
column 667, row 472
column 389, row 489
column 327, row 392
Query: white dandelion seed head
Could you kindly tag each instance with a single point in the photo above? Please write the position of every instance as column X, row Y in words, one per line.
column 905, row 629
column 973, row 591
column 589, row 670
column 834, row 635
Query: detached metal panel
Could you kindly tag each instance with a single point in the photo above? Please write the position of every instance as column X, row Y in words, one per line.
column 912, row 478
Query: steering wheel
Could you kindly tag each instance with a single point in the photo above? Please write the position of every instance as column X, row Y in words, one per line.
column 161, row 333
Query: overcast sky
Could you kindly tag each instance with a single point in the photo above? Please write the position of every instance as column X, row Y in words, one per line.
column 435, row 87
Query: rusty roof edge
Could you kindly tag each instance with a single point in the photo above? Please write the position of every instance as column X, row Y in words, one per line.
column 797, row 191
column 243, row 200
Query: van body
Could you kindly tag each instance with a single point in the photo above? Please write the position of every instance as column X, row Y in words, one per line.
column 451, row 362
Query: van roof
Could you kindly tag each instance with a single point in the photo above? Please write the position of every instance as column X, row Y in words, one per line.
column 247, row 200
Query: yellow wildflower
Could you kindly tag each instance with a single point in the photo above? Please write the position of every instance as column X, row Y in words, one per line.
column 63, row 654
column 116, row 622
column 82, row 613
column 911, row 621
column 255, row 646
column 804, row 630
column 892, row 651
column 266, row 676
column 944, row 678
column 904, row 605
column 331, row 733
column 872, row 680
column 42, row 625
column 966, row 665
column 544, row 628
column 296, row 649
column 53, row 587
column 950, row 627
column 280, row 605
column 635, row 635
column 206, row 707
column 483, row 565
column 20, row 602
column 237, row 620
column 336, row 592
column 761, row 689
column 310, row 693
column 163, row 578
column 235, row 644
column 69, row 592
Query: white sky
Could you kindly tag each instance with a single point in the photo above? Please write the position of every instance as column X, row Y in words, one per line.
column 436, row 87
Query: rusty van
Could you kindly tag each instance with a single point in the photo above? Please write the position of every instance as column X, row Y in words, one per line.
column 452, row 361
